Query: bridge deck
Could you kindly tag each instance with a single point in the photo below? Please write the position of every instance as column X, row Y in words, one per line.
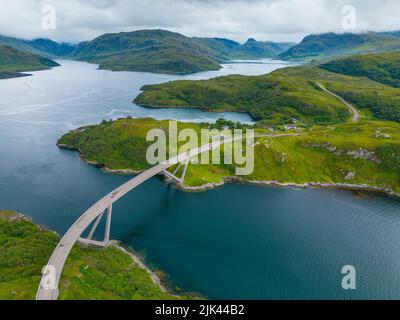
column 61, row 252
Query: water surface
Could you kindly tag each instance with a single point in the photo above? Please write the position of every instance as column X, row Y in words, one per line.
column 234, row 242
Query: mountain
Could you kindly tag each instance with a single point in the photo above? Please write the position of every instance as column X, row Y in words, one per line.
column 162, row 51
column 221, row 47
column 13, row 61
column 383, row 68
column 157, row 51
column 251, row 49
column 43, row 47
column 329, row 45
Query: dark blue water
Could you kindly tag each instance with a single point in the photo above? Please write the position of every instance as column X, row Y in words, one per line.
column 234, row 242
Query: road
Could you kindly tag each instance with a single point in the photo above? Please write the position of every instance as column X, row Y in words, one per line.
column 354, row 111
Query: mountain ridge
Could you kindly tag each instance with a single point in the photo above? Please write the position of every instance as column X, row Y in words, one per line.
column 319, row 47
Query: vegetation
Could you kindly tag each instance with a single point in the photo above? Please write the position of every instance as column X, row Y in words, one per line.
column 13, row 61
column 161, row 51
column 24, row 249
column 354, row 153
column 278, row 97
column 89, row 273
column 383, row 68
column 330, row 45
column 148, row 51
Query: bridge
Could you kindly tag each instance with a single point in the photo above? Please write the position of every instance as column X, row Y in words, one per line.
column 48, row 288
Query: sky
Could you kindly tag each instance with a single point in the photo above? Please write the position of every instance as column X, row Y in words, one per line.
column 275, row 20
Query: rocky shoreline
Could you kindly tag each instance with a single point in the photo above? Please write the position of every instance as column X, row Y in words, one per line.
column 309, row 185
column 238, row 180
column 139, row 261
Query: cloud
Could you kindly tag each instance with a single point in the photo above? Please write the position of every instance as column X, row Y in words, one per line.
column 79, row 20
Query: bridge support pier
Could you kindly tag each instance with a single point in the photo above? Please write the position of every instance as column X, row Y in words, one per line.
column 173, row 176
column 89, row 242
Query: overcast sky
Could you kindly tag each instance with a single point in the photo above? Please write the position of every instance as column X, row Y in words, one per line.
column 279, row 20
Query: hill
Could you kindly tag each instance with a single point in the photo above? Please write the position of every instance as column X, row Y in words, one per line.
column 161, row 51
column 12, row 62
column 148, row 51
column 42, row 47
column 330, row 45
column 383, row 68
column 278, row 97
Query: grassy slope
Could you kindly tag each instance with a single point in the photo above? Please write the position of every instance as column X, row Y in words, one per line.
column 278, row 96
column 298, row 159
column 13, row 61
column 383, row 68
column 89, row 273
column 330, row 45
column 271, row 98
column 149, row 51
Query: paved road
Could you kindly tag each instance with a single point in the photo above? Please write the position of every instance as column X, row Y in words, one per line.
column 354, row 111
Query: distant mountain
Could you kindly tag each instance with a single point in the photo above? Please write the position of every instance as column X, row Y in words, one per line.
column 13, row 62
column 157, row 51
column 162, row 51
column 221, row 47
column 251, row 49
column 383, row 67
column 43, row 47
column 329, row 45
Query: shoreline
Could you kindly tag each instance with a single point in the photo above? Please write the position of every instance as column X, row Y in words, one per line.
column 238, row 180
column 193, row 108
column 136, row 258
column 307, row 185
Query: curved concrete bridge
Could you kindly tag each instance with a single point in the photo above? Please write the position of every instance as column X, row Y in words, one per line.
column 48, row 288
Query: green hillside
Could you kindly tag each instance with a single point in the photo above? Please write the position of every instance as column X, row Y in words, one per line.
column 148, row 51
column 383, row 68
column 161, row 51
column 12, row 62
column 362, row 153
column 43, row 47
column 278, row 97
column 89, row 274
column 330, row 45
